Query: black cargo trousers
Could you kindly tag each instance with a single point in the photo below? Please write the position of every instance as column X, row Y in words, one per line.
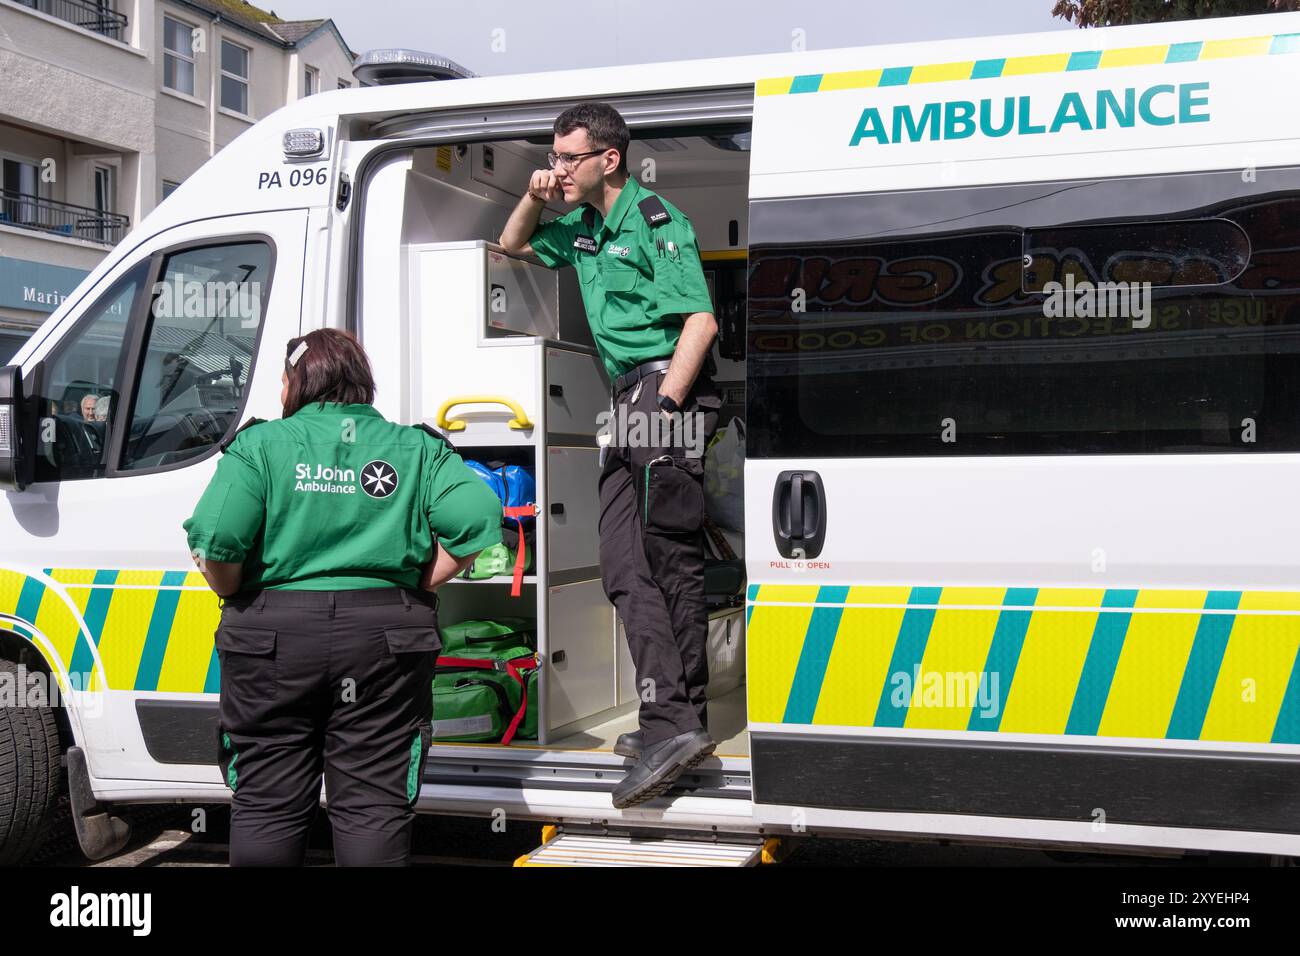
column 652, row 552
column 338, row 682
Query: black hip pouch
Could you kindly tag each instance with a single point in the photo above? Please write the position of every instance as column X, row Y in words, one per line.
column 672, row 495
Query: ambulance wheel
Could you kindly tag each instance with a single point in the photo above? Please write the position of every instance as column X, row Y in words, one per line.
column 30, row 772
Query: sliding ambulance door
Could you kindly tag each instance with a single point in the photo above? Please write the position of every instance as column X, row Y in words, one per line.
column 1022, row 565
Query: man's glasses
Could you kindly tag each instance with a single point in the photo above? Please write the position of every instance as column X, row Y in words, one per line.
column 570, row 160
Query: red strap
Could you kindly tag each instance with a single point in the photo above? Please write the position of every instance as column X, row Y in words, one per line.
column 467, row 662
column 517, row 512
column 514, row 668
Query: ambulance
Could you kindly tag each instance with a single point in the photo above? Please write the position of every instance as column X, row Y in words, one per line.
column 1013, row 328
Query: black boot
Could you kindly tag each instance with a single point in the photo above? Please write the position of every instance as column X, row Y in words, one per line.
column 660, row 765
column 628, row 745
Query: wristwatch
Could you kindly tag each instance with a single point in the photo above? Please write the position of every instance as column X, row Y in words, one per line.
column 668, row 405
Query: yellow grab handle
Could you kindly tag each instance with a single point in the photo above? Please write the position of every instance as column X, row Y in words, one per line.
column 458, row 425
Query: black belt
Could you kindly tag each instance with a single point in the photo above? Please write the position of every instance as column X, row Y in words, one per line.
column 630, row 378
column 363, row 597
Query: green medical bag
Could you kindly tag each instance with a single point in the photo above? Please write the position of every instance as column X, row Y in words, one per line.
column 476, row 696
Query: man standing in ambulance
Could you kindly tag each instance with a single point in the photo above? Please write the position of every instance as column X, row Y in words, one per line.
column 652, row 320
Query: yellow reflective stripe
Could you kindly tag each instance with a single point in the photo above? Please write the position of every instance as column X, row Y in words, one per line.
column 788, row 594
column 1043, row 63
column 774, row 86
column 1149, row 671
column 1252, row 678
column 1047, row 674
column 121, row 644
column 74, row 575
column 858, row 665
column 1269, row 601
column 850, row 80
column 1134, row 56
column 878, row 595
column 773, row 641
column 1172, row 600
column 1069, row 597
column 939, row 72
column 989, row 597
column 1242, row 46
column 955, row 654
column 189, row 648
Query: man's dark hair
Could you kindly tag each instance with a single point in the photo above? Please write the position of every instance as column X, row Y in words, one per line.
column 604, row 125
column 333, row 369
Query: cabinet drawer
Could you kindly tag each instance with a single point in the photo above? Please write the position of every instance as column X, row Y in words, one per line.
column 572, row 508
column 576, row 393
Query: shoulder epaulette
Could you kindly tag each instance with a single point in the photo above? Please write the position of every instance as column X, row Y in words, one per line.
column 654, row 211
column 248, row 424
column 429, row 429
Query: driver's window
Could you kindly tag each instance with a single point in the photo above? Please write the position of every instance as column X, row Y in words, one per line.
column 203, row 321
column 80, row 388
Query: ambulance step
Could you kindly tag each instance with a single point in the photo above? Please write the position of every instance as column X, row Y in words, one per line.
column 584, row 849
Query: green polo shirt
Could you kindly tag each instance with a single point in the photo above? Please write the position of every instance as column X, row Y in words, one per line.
column 337, row 498
column 636, row 295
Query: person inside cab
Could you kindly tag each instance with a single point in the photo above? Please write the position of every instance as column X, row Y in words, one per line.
column 651, row 316
column 325, row 533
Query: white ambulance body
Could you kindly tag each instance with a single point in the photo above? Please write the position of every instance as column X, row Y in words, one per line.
column 1020, row 552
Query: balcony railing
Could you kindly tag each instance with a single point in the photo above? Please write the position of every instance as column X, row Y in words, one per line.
column 99, row 18
column 61, row 218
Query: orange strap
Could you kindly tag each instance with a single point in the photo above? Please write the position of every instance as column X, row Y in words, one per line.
column 517, row 512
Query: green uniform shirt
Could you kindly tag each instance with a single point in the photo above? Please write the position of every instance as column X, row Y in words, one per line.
column 635, row 292
column 338, row 498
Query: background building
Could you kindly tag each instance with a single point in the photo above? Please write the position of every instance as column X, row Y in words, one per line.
column 107, row 105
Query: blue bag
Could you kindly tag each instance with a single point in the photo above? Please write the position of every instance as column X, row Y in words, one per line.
column 513, row 484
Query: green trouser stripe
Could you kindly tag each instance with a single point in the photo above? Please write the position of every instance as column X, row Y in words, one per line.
column 413, row 771
column 232, row 775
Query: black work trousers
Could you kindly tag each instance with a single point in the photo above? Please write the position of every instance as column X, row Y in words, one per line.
column 332, row 682
column 652, row 550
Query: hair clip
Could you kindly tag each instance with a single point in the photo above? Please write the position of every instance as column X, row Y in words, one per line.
column 298, row 353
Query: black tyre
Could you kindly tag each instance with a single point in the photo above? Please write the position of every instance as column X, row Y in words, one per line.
column 31, row 772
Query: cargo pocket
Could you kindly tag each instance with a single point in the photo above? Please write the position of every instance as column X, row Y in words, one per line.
column 413, row 639
column 247, row 657
column 672, row 495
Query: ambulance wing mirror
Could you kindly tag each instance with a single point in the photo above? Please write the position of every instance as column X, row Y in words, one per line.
column 15, row 459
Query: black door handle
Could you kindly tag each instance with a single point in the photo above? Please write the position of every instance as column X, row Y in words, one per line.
column 799, row 514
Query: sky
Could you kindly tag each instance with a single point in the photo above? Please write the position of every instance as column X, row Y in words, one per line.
column 516, row 36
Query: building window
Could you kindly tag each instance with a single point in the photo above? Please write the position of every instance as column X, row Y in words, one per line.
column 178, row 56
column 308, row 81
column 101, row 227
column 234, row 77
column 20, row 187
column 169, row 187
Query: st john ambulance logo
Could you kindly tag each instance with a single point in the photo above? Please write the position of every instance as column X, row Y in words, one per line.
column 379, row 479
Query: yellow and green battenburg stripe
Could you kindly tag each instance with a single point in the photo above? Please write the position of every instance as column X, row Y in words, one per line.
column 1039, row 64
column 1103, row 662
column 153, row 629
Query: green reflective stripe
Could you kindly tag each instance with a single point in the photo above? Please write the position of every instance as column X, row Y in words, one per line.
column 413, row 771
column 232, row 775
column 645, row 510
